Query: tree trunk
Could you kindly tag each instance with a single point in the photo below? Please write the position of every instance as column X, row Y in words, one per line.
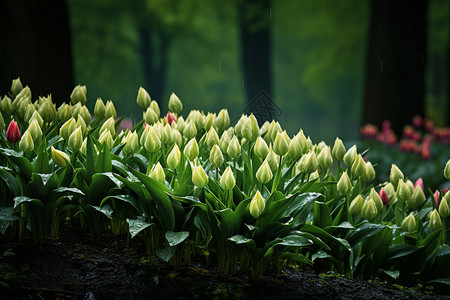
column 255, row 23
column 36, row 46
column 154, row 54
column 396, row 62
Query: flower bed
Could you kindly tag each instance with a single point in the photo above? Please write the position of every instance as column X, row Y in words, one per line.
column 246, row 197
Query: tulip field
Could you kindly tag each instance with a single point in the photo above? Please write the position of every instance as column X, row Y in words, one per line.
column 247, row 196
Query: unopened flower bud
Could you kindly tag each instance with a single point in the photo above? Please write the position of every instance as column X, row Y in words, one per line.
column 174, row 157
column 176, row 136
column 59, row 157
column 350, row 156
column 264, row 173
column 302, row 141
column 369, row 210
column 16, row 86
column 175, row 104
column 157, row 173
column 84, row 113
column 212, row 138
column 190, row 131
column 384, row 197
column 106, row 138
column 359, row 166
column 79, row 95
column 369, row 173
column 227, row 181
column 99, row 109
column 2, row 122
column 76, row 139
column 132, row 143
column 109, row 125
column 294, row 149
column 29, row 112
column 199, row 177
column 224, row 141
column 435, row 220
column 154, row 105
column 110, row 110
column 191, row 149
column 273, row 160
column 261, row 149
column 36, row 116
column 6, row 106
column 338, row 151
column 417, row 199
column 222, row 120
column 150, row 116
column 444, row 210
column 152, row 142
column 310, row 163
column 376, row 198
column 395, row 175
column 419, row 182
column 447, row 170
column 47, row 111
column 324, row 158
column 257, row 205
column 143, row 98
column 344, row 185
column 409, row 223
column 234, row 148
column 82, row 124
column 64, row 112
column 216, row 157
column 67, row 128
column 281, row 145
column 356, row 206
column 26, row 143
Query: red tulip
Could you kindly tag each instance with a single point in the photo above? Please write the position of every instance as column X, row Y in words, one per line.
column 170, row 118
column 436, row 197
column 13, row 132
column 384, row 197
column 420, row 183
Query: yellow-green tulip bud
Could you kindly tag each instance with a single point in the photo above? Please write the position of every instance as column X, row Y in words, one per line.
column 110, row 110
column 390, row 191
column 216, row 157
column 143, row 98
column 109, row 125
column 234, row 148
column 29, row 112
column 24, row 93
column 152, row 142
column 324, row 158
column 281, row 145
column 240, row 125
column 154, row 105
column 157, row 173
column 310, row 163
column 395, row 175
column 344, row 185
column 64, row 112
column 369, row 173
column 369, row 210
column 264, row 128
column 301, row 138
column 158, row 129
column 273, row 160
column 2, row 122
column 59, row 157
column 435, row 220
column 174, row 157
column 319, row 147
column 181, row 124
column 150, row 116
column 227, row 181
column 294, row 149
column 309, row 144
column 212, row 138
column 338, row 151
column 16, row 86
column 6, row 106
column 222, row 120
column 403, row 193
column 264, row 173
column 409, row 223
column 106, row 138
column 144, row 135
column 261, row 149
column 82, row 124
column 417, row 199
column 350, row 156
column 132, row 143
column 99, row 109
column 175, row 104
column 36, row 116
column 224, row 141
column 257, row 205
column 356, row 206
column 447, row 170
column 444, row 210
column 84, row 113
column 199, row 177
column 26, row 143
column 176, row 135
column 208, row 121
column 168, row 134
column 79, row 95
column 190, row 131
column 191, row 149
column 76, row 110
column 359, row 166
column 376, row 198
column 67, row 128
column 76, row 139
column 47, row 111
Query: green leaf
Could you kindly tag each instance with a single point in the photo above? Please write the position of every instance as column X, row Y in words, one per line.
column 20, row 164
column 240, row 239
column 105, row 209
column 445, row 280
column 41, row 162
column 6, row 218
column 90, row 159
column 175, row 238
column 296, row 257
column 295, row 241
column 165, row 253
column 10, row 181
column 103, row 162
column 137, row 225
column 393, row 274
column 69, row 190
column 322, row 216
column 22, row 199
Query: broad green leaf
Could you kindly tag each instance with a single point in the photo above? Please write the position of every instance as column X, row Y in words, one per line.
column 105, row 209
column 393, row 274
column 296, row 257
column 70, row 190
column 322, row 216
column 240, row 239
column 165, row 253
column 175, row 238
column 137, row 225
column 445, row 280
column 22, row 199
column 103, row 162
column 20, row 164
column 10, row 181
column 295, row 241
column 6, row 218
column 320, row 255
column 125, row 198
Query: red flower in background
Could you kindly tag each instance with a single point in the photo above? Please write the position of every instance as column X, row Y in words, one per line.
column 384, row 197
column 419, row 182
column 436, row 197
column 13, row 132
column 170, row 118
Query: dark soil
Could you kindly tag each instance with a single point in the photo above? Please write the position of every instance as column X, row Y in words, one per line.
column 73, row 268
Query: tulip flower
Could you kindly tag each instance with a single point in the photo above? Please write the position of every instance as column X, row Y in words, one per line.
column 190, row 130
column 224, row 141
column 149, row 116
column 281, row 145
column 6, row 106
column 435, row 220
column 436, row 197
column 234, row 148
column 419, row 182
column 257, row 205
column 152, row 142
column 403, row 193
column 309, row 162
column 67, row 128
column 369, row 173
column 106, row 138
column 338, row 151
column 16, row 86
column 109, row 125
column 175, row 104
column 350, row 156
column 59, row 157
column 227, row 181
column 369, row 210
column 447, row 170
column 2, row 122
column 26, row 143
column 110, row 110
column 395, row 175
column 143, row 98
column 99, row 109
column 264, row 173
column 79, row 95
column 384, row 197
column 356, row 206
column 222, row 120
column 409, row 223
column 173, row 159
column 273, row 160
column 216, row 157
column 191, row 150
column 157, row 173
column 85, row 114
column 212, row 138
column 344, row 185
column 324, row 158
column 199, row 177
column 417, row 198
column 376, row 198
column 294, row 149
column 444, row 209
column 76, row 139
column 13, row 132
column 154, row 105
column 171, row 118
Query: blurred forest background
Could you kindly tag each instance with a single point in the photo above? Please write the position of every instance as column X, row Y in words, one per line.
column 326, row 66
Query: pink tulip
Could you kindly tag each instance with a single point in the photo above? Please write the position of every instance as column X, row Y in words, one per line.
column 13, row 132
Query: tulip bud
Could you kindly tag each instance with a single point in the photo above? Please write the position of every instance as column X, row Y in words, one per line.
column 81, row 123
column 154, row 105
column 350, row 156
column 59, row 157
column 384, row 197
column 171, row 119
column 190, row 131
column 6, row 106
column 224, row 141
column 152, row 142
column 281, row 145
column 417, row 199
column 338, row 151
column 212, row 138
column 254, row 127
column 36, row 116
column 356, row 206
column 13, row 132
column 435, row 220
column 419, row 182
column 344, row 185
column 369, row 173
column 16, row 86
column 436, row 197
column 409, row 223
column 157, row 173
column 173, row 159
column 273, row 160
column 110, row 110
column 216, row 157
column 79, row 95
column 447, row 170
column 109, row 125
column 84, row 113
column 67, row 128
column 294, row 149
column 240, row 125
column 257, row 205
column 175, row 104
column 234, row 148
column 264, row 173
column 301, row 138
column 403, row 193
column 208, row 121
column 261, row 149
column 106, row 137
column 369, row 210
column 76, row 109
column 28, row 112
column 199, row 177
column 76, row 139
column 222, row 121
column 99, row 109
column 131, row 143
column 26, row 143
column 150, row 116
column 359, row 166
column 143, row 98
column 47, row 111
column 227, row 181
column 191, row 149
column 181, row 124
column 324, row 158
column 176, row 136
column 444, row 210
column 395, row 175
column 2, row 122
column 376, row 198
column 64, row 112
column 310, row 163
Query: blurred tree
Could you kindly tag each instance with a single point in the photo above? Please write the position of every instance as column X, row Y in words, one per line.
column 36, row 47
column 396, row 62
column 255, row 24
